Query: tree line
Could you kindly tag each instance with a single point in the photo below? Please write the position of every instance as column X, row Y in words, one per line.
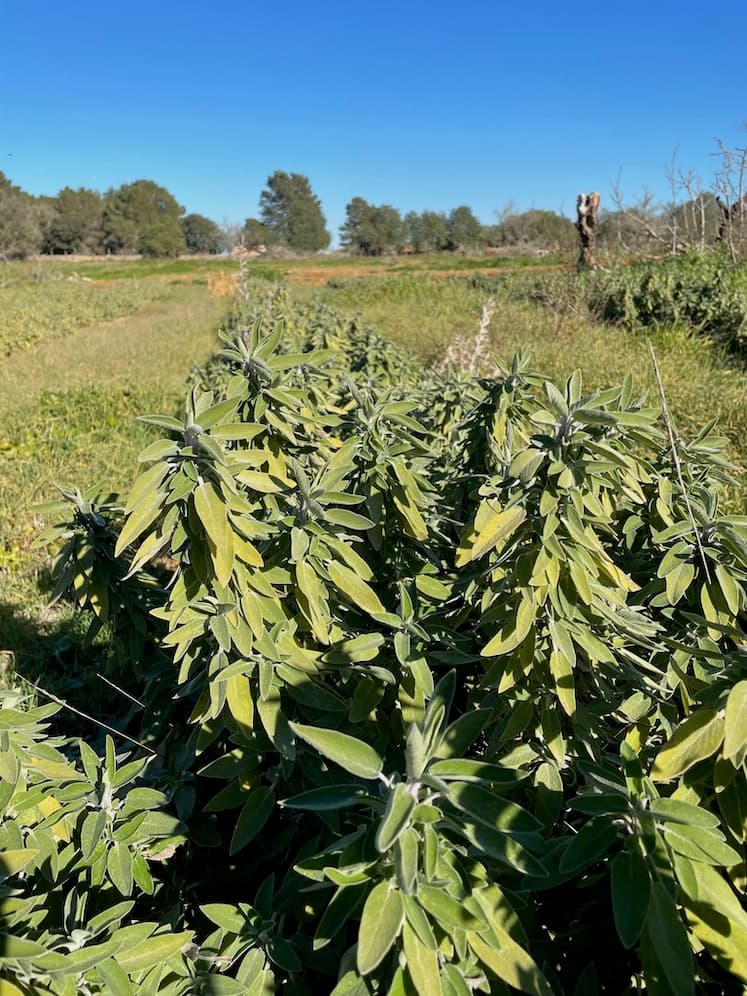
column 144, row 218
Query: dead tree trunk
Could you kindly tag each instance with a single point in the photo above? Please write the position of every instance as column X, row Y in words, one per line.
column 587, row 207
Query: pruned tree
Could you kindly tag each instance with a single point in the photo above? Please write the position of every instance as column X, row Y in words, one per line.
column 587, row 208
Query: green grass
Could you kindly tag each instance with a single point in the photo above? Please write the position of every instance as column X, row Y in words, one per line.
column 53, row 309
column 69, row 416
column 70, row 406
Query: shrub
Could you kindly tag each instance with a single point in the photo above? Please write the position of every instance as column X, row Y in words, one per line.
column 445, row 679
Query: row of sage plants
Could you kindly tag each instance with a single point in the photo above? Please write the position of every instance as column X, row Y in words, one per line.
column 439, row 687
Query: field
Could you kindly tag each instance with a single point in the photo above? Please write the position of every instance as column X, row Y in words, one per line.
column 332, row 521
column 71, row 390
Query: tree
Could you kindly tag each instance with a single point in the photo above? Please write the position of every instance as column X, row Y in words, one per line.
column 370, row 229
column 463, row 229
column 292, row 213
column 426, row 232
column 75, row 225
column 536, row 229
column 201, row 234
column 20, row 229
column 142, row 217
column 254, row 234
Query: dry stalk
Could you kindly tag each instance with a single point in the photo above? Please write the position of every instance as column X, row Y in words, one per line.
column 676, row 458
column 473, row 354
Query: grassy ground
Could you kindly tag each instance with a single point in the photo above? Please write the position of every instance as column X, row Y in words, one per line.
column 69, row 416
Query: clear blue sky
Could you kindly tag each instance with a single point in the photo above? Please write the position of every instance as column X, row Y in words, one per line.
column 420, row 105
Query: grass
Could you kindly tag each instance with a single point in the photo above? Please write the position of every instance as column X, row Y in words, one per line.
column 69, row 416
column 53, row 309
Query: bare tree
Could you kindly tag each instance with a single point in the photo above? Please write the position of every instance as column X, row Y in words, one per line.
column 732, row 198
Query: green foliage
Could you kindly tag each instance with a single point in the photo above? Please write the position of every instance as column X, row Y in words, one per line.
column 142, row 217
column 370, row 229
column 464, row 230
column 201, row 235
column 31, row 313
column 255, row 234
column 535, row 228
column 75, row 226
column 292, row 213
column 426, row 232
column 20, row 230
column 702, row 292
column 454, row 668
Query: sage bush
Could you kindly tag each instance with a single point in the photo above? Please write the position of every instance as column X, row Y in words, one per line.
column 440, row 682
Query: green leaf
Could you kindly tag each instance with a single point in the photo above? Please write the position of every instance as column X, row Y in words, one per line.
column 514, row 634
column 467, row 770
column 701, row 845
column 153, row 951
column 501, row 847
column 226, row 916
column 485, row 807
column 406, row 860
column 348, row 519
column 670, row 941
column 380, row 925
column 510, row 962
column 461, row 734
column 631, row 891
column 678, row 581
column 422, row 964
column 13, row 861
column 697, row 738
column 19, row 948
column 119, row 868
column 254, row 814
column 327, row 798
column 350, row 753
column 715, row 915
column 213, row 515
column 399, row 807
column 355, row 588
column 589, row 844
column 677, row 811
column 449, row 912
column 343, row 905
column 91, row 831
column 114, row 978
column 499, row 527
column 735, row 724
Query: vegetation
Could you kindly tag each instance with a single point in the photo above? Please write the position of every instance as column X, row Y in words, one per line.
column 439, row 684
column 52, row 309
column 142, row 217
column 201, row 235
column 292, row 214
